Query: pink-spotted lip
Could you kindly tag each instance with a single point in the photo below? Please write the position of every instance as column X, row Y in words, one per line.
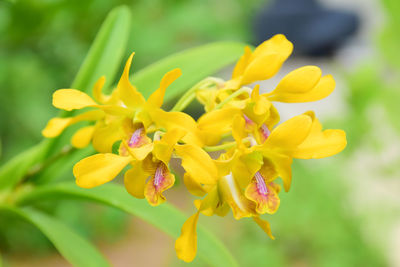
column 261, row 186
column 136, row 138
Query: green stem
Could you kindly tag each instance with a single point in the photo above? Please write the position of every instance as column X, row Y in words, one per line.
column 190, row 95
column 232, row 96
column 219, row 147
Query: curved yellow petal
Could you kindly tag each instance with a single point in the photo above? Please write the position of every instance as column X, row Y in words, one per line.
column 282, row 164
column 194, row 187
column 288, row 135
column 105, row 136
column 128, row 93
column 276, row 44
column 216, row 123
column 171, row 120
column 135, row 180
column 99, row 169
column 140, row 153
column 267, row 59
column 320, row 144
column 56, row 126
column 82, row 137
column 233, row 195
column 163, row 148
column 262, row 68
column 299, row 81
column 97, row 90
column 299, row 88
column 157, row 97
column 186, row 244
column 197, row 163
column 69, row 99
column 264, row 225
column 242, row 63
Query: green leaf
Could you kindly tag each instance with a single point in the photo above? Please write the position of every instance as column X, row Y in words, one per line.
column 105, row 54
column 165, row 217
column 104, row 58
column 73, row 247
column 16, row 168
column 195, row 63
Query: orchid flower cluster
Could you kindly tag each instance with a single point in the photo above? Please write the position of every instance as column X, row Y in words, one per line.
column 240, row 125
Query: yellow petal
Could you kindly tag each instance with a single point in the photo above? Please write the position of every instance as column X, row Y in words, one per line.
column 320, row 144
column 262, row 68
column 264, row 225
column 267, row 59
column 157, row 97
column 97, row 93
column 99, row 169
column 276, row 44
column 216, row 123
column 299, row 81
column 282, row 164
column 242, row 63
column 186, row 244
column 163, row 148
column 69, row 99
column 82, row 137
column 194, row 187
column 128, row 93
column 140, row 153
column 135, row 180
column 56, row 126
column 197, row 163
column 303, row 85
column 105, row 136
column 233, row 195
column 288, row 135
column 171, row 120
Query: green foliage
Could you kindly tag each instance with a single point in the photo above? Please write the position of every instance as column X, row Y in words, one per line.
column 73, row 247
column 165, row 217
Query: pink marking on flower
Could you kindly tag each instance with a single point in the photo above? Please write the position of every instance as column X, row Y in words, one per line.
column 261, row 186
column 247, row 119
column 265, row 131
column 135, row 139
column 159, row 176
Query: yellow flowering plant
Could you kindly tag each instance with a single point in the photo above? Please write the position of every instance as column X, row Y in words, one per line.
column 139, row 138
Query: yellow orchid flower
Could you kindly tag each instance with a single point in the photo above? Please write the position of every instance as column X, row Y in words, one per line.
column 125, row 102
column 214, row 178
column 147, row 159
column 261, row 64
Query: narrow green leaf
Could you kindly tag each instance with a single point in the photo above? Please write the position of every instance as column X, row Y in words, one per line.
column 165, row 217
column 196, row 64
column 104, row 58
column 105, row 54
column 73, row 247
column 16, row 168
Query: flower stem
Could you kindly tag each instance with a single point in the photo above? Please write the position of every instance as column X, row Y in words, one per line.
column 190, row 95
column 232, row 96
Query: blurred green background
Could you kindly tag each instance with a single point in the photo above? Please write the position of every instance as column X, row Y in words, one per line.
column 342, row 211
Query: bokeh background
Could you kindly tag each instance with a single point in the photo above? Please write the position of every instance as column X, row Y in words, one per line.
column 341, row 211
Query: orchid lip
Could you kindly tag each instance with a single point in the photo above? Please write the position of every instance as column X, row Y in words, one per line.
column 261, row 186
column 134, row 141
column 159, row 175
